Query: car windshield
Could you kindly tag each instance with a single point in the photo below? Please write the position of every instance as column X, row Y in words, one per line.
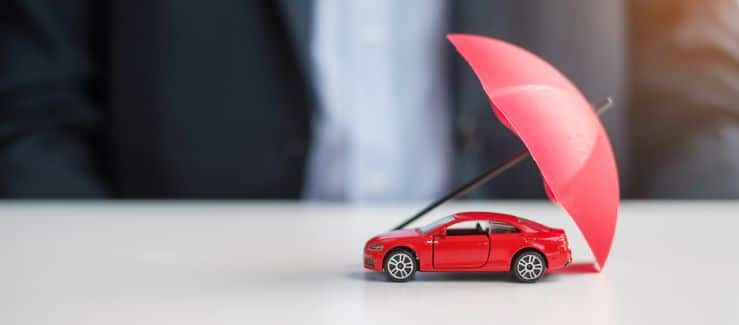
column 425, row 229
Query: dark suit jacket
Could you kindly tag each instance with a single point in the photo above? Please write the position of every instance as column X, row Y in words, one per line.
column 205, row 99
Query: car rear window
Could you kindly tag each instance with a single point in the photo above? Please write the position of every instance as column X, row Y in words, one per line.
column 533, row 225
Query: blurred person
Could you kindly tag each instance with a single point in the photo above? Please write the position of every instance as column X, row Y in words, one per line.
column 685, row 88
column 325, row 100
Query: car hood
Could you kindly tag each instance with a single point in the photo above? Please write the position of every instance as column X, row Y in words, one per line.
column 402, row 233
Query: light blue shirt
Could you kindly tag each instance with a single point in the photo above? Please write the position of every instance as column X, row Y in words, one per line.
column 381, row 131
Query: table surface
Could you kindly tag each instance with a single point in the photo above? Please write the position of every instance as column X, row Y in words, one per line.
column 284, row 262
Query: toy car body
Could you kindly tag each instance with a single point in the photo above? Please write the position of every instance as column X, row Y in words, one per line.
column 470, row 242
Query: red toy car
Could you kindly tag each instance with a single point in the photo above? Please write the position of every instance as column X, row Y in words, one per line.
column 470, row 242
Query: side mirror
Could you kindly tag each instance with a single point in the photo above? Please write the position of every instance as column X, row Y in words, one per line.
column 441, row 233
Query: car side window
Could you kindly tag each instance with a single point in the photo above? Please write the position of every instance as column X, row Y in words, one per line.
column 470, row 227
column 499, row 227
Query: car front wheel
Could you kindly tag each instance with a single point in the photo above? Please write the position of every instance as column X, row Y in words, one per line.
column 400, row 265
column 528, row 267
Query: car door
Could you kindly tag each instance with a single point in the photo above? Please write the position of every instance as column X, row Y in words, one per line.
column 465, row 244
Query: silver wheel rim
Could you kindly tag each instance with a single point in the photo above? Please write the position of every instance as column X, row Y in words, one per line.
column 530, row 267
column 400, row 266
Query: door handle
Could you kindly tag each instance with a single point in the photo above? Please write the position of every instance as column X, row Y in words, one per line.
column 431, row 242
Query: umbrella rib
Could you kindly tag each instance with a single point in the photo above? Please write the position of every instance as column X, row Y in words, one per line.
column 487, row 175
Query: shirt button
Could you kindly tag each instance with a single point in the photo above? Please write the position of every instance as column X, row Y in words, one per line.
column 468, row 132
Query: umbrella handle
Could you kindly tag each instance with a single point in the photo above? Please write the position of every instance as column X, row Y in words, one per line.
column 488, row 174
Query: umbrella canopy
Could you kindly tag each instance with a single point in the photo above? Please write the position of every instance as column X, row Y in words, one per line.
column 558, row 127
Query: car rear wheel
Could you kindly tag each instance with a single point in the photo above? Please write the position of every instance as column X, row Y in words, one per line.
column 400, row 265
column 528, row 267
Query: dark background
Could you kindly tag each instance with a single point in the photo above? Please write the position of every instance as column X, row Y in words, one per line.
column 192, row 99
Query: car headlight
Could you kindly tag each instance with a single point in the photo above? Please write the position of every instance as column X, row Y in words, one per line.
column 375, row 248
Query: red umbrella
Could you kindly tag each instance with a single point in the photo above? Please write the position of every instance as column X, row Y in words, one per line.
column 558, row 127
column 560, row 131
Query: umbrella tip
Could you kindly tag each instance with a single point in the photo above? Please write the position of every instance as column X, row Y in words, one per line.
column 604, row 105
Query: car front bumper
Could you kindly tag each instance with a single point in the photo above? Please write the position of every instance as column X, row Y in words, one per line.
column 373, row 261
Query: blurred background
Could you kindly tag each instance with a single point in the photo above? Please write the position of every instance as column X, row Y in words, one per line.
column 360, row 100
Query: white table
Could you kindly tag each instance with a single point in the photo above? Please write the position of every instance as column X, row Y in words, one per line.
column 291, row 263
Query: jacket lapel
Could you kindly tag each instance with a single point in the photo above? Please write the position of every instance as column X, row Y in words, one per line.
column 480, row 140
column 297, row 16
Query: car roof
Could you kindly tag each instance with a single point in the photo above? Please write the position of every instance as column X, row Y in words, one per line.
column 471, row 215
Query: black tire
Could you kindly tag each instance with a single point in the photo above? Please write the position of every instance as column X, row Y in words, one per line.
column 400, row 265
column 528, row 266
